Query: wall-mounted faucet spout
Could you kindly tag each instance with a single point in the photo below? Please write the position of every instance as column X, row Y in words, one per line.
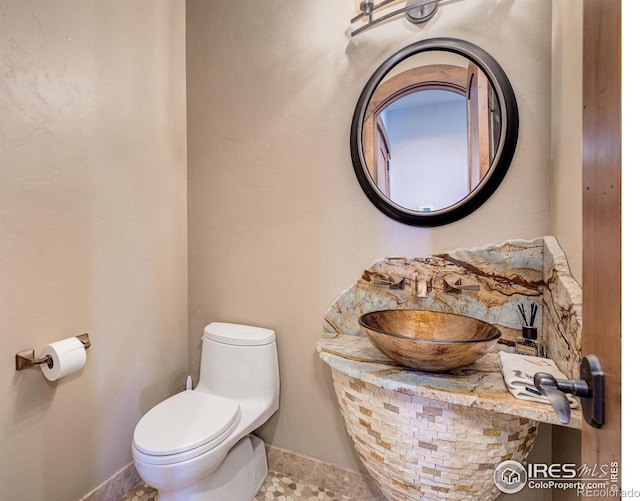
column 423, row 286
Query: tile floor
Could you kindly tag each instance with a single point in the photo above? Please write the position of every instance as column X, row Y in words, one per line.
column 278, row 487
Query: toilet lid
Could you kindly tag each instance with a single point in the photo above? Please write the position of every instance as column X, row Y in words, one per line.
column 238, row 335
column 184, row 422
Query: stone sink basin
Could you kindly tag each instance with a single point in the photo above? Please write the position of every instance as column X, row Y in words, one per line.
column 428, row 340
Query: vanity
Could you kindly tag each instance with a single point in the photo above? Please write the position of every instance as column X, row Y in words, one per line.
column 425, row 435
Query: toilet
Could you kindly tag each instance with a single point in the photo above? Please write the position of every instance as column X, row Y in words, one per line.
column 197, row 445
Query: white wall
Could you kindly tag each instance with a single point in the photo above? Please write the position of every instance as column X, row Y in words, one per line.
column 92, row 231
column 278, row 225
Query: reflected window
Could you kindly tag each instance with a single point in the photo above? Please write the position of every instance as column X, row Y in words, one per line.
column 427, row 138
column 429, row 132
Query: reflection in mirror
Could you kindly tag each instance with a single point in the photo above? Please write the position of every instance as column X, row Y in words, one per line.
column 434, row 132
column 430, row 131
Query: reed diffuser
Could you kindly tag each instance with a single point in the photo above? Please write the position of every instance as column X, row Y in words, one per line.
column 528, row 343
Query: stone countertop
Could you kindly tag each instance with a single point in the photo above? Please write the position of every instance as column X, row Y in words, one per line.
column 479, row 385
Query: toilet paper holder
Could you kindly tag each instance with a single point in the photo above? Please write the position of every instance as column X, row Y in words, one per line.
column 27, row 358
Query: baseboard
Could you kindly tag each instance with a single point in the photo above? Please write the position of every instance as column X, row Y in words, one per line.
column 311, row 470
column 317, row 472
column 115, row 486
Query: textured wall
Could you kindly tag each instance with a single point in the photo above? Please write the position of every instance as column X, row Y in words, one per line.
column 566, row 130
column 278, row 225
column 92, row 231
column 566, row 168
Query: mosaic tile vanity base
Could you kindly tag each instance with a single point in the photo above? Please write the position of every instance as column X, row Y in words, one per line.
column 418, row 449
column 278, row 487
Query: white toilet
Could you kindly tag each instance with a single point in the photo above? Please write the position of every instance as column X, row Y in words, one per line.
column 195, row 446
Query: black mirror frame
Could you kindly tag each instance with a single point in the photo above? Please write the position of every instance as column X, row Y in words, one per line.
column 500, row 165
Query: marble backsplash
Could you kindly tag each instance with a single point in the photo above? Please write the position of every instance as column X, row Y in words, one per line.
column 505, row 275
column 562, row 310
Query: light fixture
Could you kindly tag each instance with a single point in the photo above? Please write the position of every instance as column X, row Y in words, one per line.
column 416, row 11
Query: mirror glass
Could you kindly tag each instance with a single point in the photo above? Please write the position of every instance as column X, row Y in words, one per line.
column 431, row 138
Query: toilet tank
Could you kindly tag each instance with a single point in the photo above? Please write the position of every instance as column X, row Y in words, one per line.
column 240, row 362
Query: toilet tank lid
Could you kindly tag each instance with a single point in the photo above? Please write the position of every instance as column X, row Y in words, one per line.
column 238, row 335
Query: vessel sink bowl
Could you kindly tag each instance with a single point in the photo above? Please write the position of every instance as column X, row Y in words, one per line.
column 429, row 340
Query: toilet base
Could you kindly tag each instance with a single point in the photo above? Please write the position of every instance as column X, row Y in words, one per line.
column 238, row 478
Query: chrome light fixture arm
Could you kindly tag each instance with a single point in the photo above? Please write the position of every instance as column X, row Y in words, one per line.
column 367, row 7
column 414, row 10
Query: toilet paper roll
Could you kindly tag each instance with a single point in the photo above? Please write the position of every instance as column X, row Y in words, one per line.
column 68, row 356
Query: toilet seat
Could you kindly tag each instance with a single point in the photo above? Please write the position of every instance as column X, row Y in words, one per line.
column 184, row 426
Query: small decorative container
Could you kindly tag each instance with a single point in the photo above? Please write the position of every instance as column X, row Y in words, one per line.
column 528, row 343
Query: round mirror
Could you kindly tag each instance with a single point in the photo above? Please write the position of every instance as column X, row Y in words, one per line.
column 434, row 132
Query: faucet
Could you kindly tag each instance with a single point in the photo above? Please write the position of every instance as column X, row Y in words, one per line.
column 423, row 286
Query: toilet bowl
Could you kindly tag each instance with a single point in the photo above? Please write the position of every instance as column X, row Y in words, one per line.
column 197, row 445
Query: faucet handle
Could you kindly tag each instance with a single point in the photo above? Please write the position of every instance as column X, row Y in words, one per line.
column 457, row 286
column 391, row 282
